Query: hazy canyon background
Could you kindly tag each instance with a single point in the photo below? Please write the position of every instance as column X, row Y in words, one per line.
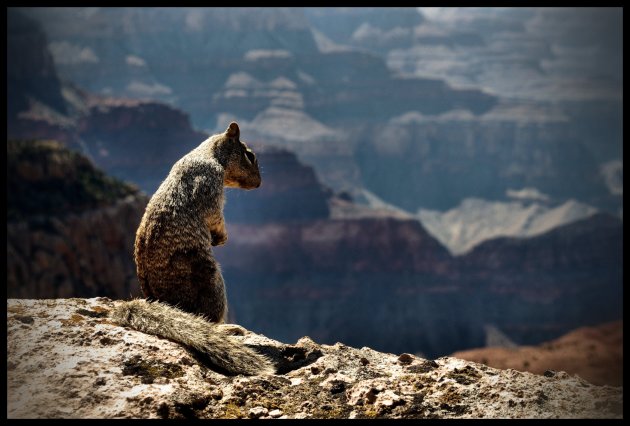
column 434, row 179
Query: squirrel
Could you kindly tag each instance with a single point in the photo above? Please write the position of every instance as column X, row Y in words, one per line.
column 176, row 269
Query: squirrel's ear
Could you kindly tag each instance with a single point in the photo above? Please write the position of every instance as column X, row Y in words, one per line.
column 233, row 131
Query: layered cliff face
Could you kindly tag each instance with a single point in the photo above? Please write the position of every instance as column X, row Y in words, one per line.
column 268, row 73
column 70, row 228
column 45, row 178
column 372, row 28
column 128, row 52
column 35, row 103
column 562, row 261
column 528, row 57
column 358, row 280
column 75, row 255
column 137, row 141
column 567, row 277
column 435, row 162
column 31, row 71
column 206, row 47
column 133, row 140
column 340, row 246
column 326, row 83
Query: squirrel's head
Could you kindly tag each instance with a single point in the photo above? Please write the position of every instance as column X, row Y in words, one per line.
column 239, row 162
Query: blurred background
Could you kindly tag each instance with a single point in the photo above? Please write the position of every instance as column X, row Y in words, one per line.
column 435, row 180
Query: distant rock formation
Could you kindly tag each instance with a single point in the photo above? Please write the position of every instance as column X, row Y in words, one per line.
column 588, row 250
column 593, row 353
column 135, row 140
column 352, row 25
column 207, row 47
column 362, row 118
column 365, row 274
column 70, row 227
column 475, row 220
column 436, row 161
column 138, row 141
column 66, row 360
column 31, row 73
column 290, row 192
column 337, row 246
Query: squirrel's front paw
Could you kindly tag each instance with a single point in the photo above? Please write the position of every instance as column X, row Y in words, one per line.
column 232, row 329
column 218, row 239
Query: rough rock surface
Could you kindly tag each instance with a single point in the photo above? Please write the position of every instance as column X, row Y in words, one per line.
column 65, row 359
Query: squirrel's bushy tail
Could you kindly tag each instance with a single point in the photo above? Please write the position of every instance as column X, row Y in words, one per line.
column 194, row 331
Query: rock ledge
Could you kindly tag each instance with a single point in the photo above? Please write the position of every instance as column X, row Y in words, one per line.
column 65, row 359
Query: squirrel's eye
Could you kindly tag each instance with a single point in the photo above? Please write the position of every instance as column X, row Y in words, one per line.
column 250, row 156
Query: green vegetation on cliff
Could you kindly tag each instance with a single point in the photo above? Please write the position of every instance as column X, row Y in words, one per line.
column 45, row 178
